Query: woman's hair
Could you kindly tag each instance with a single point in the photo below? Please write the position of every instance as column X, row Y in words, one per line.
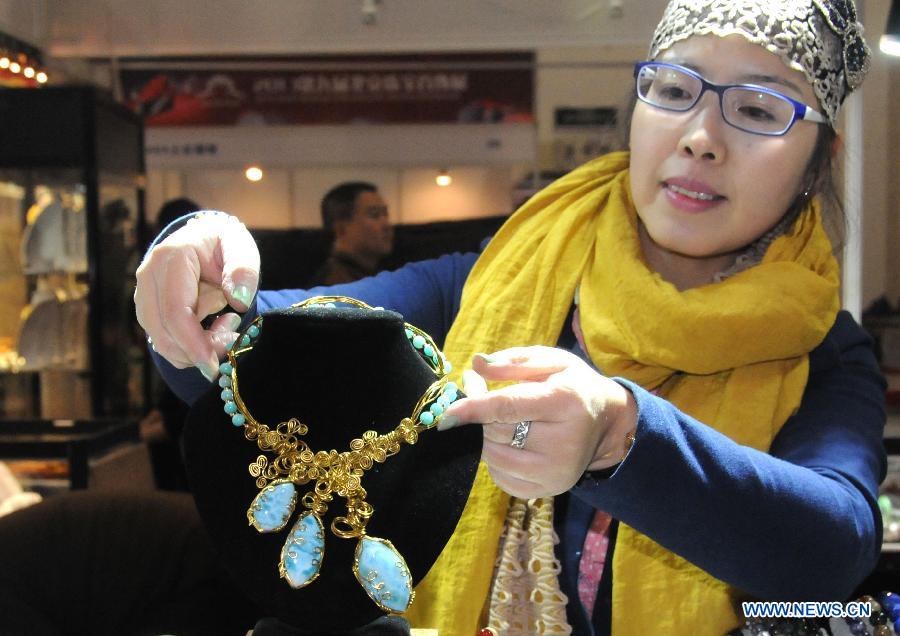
column 819, row 180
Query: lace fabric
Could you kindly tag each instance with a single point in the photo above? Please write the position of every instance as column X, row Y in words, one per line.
column 820, row 38
column 525, row 596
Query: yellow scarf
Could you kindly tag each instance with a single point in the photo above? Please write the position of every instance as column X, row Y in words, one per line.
column 732, row 354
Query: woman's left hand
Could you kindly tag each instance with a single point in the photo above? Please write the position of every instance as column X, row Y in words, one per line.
column 579, row 418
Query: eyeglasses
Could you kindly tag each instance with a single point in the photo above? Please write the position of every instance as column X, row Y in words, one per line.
column 750, row 108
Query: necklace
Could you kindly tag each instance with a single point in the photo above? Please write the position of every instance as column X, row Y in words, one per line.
column 377, row 565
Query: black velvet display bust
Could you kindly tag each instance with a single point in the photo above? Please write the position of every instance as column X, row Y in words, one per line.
column 341, row 371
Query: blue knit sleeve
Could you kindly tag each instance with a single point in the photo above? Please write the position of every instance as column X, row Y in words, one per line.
column 800, row 523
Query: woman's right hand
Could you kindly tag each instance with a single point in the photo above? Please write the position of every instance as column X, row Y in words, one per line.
column 196, row 271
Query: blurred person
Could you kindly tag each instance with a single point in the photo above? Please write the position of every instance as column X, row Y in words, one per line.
column 356, row 215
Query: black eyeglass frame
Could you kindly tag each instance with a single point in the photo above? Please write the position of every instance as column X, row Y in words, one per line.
column 801, row 110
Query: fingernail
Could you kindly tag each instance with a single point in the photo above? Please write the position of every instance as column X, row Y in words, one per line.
column 485, row 358
column 447, row 421
column 225, row 338
column 234, row 321
column 242, row 294
column 208, row 372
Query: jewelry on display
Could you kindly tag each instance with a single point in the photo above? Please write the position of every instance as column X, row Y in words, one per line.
column 377, row 565
column 520, row 434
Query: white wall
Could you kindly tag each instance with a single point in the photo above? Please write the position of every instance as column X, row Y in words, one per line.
column 26, row 20
column 105, row 28
column 265, row 203
column 581, row 77
column 290, row 198
column 351, row 145
column 302, row 162
column 892, row 205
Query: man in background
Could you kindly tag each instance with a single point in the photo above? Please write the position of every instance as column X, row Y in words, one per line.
column 356, row 215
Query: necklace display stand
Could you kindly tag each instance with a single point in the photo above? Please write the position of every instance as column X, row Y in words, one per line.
column 341, row 371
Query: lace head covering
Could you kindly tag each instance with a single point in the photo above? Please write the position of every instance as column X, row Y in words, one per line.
column 821, row 38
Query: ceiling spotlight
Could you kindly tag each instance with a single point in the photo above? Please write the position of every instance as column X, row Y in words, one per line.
column 14, row 67
column 28, row 72
column 370, row 11
column 443, row 178
column 41, row 77
column 616, row 9
column 253, row 173
column 4, row 62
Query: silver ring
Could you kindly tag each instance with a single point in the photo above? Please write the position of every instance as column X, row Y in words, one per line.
column 520, row 434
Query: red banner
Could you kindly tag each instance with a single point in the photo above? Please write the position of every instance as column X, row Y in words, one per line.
column 382, row 89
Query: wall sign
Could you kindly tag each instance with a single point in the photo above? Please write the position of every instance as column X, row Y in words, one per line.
column 581, row 134
column 379, row 89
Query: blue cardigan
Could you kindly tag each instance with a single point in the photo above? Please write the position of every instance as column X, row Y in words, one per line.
column 798, row 523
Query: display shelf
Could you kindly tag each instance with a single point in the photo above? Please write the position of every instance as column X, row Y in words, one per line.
column 78, row 442
column 71, row 206
column 45, row 487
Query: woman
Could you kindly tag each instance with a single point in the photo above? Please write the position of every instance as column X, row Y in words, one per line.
column 706, row 426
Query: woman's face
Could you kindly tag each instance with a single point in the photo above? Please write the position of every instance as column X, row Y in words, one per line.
column 702, row 188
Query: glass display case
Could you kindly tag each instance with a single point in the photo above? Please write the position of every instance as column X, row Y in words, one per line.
column 71, row 205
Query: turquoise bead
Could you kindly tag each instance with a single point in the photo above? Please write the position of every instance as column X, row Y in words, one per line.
column 238, row 419
column 426, row 418
column 409, row 334
column 436, row 409
column 450, row 386
column 447, row 366
column 230, row 408
column 418, row 342
column 227, row 394
column 451, row 395
column 224, row 381
column 444, row 401
column 253, row 331
column 226, row 368
column 428, row 350
column 245, row 340
column 383, row 573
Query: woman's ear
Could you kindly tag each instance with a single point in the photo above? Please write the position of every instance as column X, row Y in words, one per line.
column 837, row 145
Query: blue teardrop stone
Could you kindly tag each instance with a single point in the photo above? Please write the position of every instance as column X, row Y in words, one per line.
column 273, row 506
column 383, row 573
column 302, row 554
